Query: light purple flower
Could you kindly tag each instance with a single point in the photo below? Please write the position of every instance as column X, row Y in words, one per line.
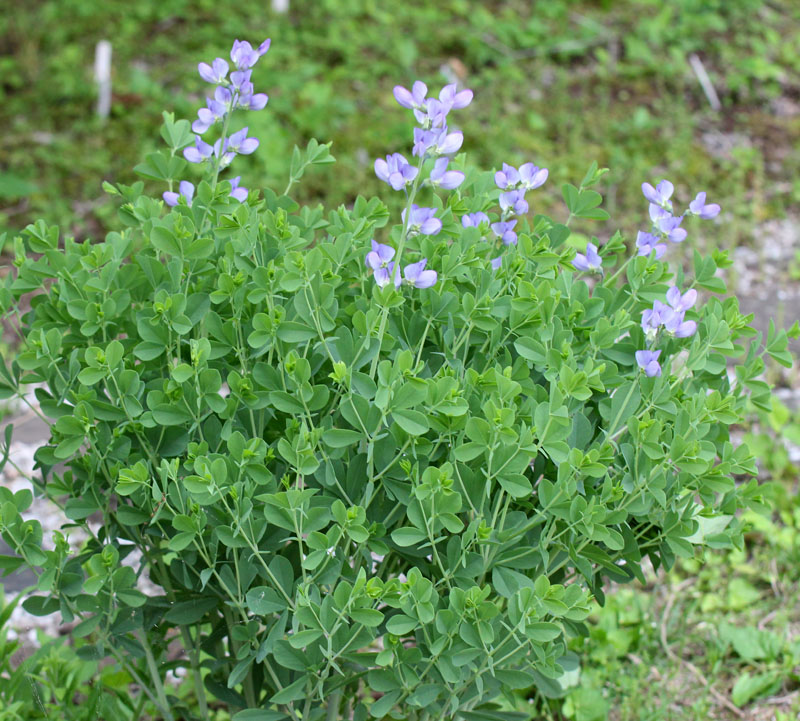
column 681, row 303
column 379, row 259
column 433, row 115
column 647, row 243
column 413, row 99
column 531, row 176
column 238, row 142
column 505, row 231
column 659, row 195
column 648, row 362
column 200, row 152
column 507, row 177
column 669, row 227
column 675, row 324
column 443, row 178
column 395, row 170
column 590, row 262
column 651, row 322
column 473, row 220
column 244, row 56
column 496, row 262
column 186, row 192
column 214, row 73
column 237, row 192
column 653, row 318
column 422, row 220
column 698, row 207
column 658, row 213
column 416, row 275
column 206, row 117
column 514, row 201
column 437, row 141
column 240, row 81
column 454, row 99
column 225, row 156
column 253, row 102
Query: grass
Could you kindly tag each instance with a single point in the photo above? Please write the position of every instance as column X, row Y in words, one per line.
column 717, row 637
column 559, row 83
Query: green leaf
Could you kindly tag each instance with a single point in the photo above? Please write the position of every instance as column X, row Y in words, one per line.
column 259, row 714
column 341, row 437
column 412, row 422
column 292, row 692
column 401, row 624
column 293, row 332
column 164, row 240
column 76, row 509
column 515, row 484
column 408, row 536
column 263, row 600
column 188, row 612
column 90, row 376
column 369, row 617
column 748, row 687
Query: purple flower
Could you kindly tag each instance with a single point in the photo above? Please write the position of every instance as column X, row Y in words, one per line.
column 237, row 192
column 214, row 73
column 659, row 195
column 506, row 177
column 436, row 141
column 505, row 231
column 675, row 324
column 452, row 98
column 514, row 201
column 243, row 55
column 206, row 117
column 591, row 262
column 669, row 226
column 647, row 243
column 225, row 156
column 653, row 318
column 496, row 262
column 433, row 115
column 681, row 303
column 413, row 99
column 253, row 102
column 200, row 152
column 240, row 143
column 532, row 177
column 395, row 170
column 422, row 220
column 379, row 259
column 417, row 276
column 473, row 220
column 186, row 192
column 648, row 362
column 444, row 178
column 651, row 322
column 698, row 207
column 240, row 81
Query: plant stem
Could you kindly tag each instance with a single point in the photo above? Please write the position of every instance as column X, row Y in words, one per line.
column 152, row 667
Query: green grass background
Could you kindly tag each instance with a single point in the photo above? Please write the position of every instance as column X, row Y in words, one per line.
column 557, row 82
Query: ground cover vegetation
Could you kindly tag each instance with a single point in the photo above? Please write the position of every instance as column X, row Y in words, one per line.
column 573, row 659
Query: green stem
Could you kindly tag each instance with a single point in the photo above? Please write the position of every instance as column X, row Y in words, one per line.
column 152, row 667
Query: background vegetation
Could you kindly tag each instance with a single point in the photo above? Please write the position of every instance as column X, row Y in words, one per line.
column 557, row 82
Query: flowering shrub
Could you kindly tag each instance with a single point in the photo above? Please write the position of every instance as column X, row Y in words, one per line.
column 372, row 470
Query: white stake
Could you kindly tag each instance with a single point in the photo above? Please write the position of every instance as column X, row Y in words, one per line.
column 705, row 81
column 102, row 74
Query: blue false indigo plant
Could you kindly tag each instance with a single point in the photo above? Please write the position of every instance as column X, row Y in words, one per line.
column 374, row 466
